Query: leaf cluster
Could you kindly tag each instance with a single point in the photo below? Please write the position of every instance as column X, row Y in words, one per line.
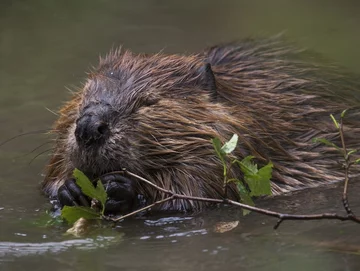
column 72, row 213
column 345, row 152
column 255, row 181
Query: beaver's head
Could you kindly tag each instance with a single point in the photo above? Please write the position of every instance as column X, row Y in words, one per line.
column 139, row 112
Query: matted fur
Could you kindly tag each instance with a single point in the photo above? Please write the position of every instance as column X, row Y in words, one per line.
column 164, row 117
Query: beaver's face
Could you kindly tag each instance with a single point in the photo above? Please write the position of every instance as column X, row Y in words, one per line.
column 101, row 136
column 121, row 108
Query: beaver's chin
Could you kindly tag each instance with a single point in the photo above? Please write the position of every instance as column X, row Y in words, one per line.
column 94, row 163
column 97, row 171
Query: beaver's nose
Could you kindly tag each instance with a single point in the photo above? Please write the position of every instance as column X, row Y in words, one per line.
column 91, row 129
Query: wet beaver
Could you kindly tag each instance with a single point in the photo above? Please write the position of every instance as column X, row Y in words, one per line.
column 155, row 115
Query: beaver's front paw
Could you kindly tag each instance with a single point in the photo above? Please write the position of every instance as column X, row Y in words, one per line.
column 121, row 194
column 70, row 194
column 120, row 190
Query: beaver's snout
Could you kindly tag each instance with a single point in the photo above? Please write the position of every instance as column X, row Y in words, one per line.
column 90, row 130
column 92, row 127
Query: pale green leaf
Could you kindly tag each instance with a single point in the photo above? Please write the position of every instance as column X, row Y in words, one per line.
column 357, row 161
column 72, row 213
column 230, row 146
column 343, row 113
column 325, row 142
column 352, row 152
column 335, row 121
column 217, row 147
column 232, row 180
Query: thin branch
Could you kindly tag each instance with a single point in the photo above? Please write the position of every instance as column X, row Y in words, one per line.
column 280, row 216
column 225, row 186
column 341, row 132
column 139, row 210
column 347, row 165
column 225, row 180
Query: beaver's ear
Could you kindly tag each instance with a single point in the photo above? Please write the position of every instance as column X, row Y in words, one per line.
column 207, row 78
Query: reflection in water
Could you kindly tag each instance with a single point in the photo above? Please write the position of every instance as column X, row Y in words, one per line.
column 48, row 44
column 26, row 249
column 166, row 221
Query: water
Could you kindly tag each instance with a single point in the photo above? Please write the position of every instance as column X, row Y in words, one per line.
column 46, row 46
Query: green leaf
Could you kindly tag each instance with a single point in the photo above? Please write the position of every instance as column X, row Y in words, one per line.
column 101, row 193
column 357, row 161
column 230, row 146
column 72, row 213
column 257, row 180
column 351, row 152
column 88, row 188
column 244, row 196
column 335, row 121
column 259, row 183
column 84, row 183
column 247, row 166
column 217, row 146
column 343, row 113
column 325, row 141
column 264, row 175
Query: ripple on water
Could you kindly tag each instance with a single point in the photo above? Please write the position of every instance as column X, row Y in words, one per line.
column 18, row 249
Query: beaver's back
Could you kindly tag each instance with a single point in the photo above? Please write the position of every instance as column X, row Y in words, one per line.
column 290, row 97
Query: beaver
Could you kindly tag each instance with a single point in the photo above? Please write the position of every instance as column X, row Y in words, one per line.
column 155, row 115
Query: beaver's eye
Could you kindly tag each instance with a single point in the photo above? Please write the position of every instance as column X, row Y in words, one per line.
column 110, row 72
column 113, row 74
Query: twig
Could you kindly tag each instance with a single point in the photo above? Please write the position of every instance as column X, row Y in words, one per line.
column 139, row 210
column 226, row 180
column 280, row 216
column 225, row 186
column 347, row 165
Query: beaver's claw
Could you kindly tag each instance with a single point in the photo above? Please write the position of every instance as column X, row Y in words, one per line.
column 70, row 194
column 120, row 191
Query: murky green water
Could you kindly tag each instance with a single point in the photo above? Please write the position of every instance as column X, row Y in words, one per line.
column 46, row 45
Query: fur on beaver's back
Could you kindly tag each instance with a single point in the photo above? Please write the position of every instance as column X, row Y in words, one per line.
column 165, row 109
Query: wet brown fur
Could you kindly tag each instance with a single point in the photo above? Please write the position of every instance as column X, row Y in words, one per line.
column 265, row 92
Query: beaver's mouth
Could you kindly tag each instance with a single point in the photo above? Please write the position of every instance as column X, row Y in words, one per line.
column 95, row 160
